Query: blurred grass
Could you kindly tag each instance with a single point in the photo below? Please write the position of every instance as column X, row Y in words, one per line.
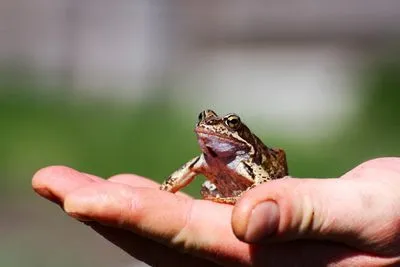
column 92, row 136
column 40, row 128
column 105, row 138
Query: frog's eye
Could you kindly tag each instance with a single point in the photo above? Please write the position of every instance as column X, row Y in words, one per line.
column 232, row 121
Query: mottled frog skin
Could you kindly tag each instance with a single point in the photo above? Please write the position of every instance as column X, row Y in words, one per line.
column 233, row 160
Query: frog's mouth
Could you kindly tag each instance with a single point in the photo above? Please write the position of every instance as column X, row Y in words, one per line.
column 217, row 145
column 212, row 136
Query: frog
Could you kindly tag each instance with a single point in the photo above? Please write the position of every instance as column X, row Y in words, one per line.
column 233, row 160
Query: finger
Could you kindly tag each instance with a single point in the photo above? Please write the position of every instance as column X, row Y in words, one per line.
column 375, row 169
column 144, row 249
column 93, row 177
column 200, row 228
column 333, row 209
column 188, row 225
column 133, row 180
column 304, row 253
column 55, row 182
column 139, row 181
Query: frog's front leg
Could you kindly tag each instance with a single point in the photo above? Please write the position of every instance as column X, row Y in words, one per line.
column 184, row 175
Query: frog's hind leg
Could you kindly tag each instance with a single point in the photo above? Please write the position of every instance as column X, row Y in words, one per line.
column 209, row 191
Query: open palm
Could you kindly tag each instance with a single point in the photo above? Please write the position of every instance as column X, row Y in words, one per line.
column 321, row 222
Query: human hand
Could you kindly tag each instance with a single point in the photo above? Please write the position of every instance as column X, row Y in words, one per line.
column 352, row 221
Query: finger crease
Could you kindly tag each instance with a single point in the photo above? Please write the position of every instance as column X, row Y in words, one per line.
column 181, row 240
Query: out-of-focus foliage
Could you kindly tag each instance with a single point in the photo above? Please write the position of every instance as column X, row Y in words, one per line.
column 112, row 87
column 39, row 128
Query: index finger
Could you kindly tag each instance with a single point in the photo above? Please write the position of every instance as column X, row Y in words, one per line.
column 195, row 226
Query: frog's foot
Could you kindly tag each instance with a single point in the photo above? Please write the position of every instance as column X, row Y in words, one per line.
column 209, row 191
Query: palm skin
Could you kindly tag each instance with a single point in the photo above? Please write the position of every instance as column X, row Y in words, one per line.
column 351, row 221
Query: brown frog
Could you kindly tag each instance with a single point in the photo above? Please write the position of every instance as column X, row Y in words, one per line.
column 233, row 160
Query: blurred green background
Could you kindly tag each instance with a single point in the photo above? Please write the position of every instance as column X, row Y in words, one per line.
column 150, row 139
column 86, row 102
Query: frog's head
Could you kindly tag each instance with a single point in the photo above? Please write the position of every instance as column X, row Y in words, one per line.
column 223, row 136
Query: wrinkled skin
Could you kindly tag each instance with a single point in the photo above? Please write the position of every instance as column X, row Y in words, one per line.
column 351, row 221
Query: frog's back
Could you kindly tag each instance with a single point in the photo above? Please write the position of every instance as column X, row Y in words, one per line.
column 273, row 160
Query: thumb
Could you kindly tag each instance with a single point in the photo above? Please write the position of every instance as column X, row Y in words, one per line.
column 339, row 210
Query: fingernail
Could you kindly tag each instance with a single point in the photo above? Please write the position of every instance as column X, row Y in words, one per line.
column 263, row 222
